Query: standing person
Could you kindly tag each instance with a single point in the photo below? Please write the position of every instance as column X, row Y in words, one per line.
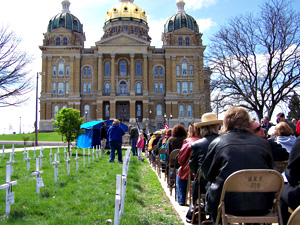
column 145, row 139
column 281, row 118
column 266, row 123
column 134, row 135
column 140, row 145
column 291, row 191
column 236, row 149
column 183, row 159
column 103, row 137
column 115, row 133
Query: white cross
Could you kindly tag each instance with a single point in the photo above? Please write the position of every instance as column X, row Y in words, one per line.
column 41, row 156
column 50, row 155
column 28, row 160
column 9, row 194
column 13, row 153
column 118, row 199
column 11, row 161
column 24, row 153
column 68, row 163
column 39, row 180
column 57, row 153
column 83, row 154
column 77, row 164
column 89, row 154
column 65, row 153
column 93, row 154
column 34, row 152
column 96, row 151
column 55, row 167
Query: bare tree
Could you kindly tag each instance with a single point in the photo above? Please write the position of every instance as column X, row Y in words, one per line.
column 14, row 83
column 256, row 58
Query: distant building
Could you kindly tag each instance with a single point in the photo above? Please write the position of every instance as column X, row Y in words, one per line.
column 123, row 76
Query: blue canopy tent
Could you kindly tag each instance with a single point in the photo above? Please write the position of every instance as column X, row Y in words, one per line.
column 91, row 135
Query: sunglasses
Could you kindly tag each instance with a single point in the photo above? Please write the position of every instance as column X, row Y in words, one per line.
column 257, row 129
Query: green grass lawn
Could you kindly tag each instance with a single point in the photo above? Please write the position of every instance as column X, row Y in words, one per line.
column 49, row 136
column 86, row 196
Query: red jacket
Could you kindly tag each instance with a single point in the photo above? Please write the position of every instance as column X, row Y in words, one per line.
column 298, row 127
column 140, row 143
column 184, row 157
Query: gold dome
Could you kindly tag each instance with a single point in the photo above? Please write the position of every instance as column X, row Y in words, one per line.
column 127, row 9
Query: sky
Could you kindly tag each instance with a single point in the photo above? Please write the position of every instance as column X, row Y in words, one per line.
column 29, row 20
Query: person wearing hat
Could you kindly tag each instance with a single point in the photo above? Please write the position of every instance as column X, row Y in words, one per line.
column 208, row 130
column 236, row 149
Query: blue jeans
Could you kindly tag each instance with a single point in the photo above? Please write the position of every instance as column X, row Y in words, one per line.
column 133, row 146
column 181, row 190
column 115, row 145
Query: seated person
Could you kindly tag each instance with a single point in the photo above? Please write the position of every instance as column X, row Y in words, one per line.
column 291, row 191
column 236, row 149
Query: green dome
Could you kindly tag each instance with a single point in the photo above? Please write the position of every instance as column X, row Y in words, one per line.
column 65, row 19
column 180, row 20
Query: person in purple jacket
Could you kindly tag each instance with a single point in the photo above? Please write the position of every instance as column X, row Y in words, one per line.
column 115, row 133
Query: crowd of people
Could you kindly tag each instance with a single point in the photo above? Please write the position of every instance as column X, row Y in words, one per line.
column 213, row 149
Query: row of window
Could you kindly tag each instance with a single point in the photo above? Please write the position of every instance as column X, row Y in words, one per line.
column 123, row 87
column 61, row 41
column 61, row 69
column 180, row 41
column 123, row 68
column 184, row 110
column 60, row 88
column 185, row 87
column 184, row 69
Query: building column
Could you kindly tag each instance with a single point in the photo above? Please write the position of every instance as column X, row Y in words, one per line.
column 174, row 75
column 100, row 74
column 46, row 79
column 145, row 76
column 132, row 91
column 132, row 118
column 112, row 110
column 150, row 75
column 99, row 108
column 113, row 75
column 71, row 76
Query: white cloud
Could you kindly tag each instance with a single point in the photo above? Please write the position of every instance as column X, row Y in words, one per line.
column 156, row 30
column 198, row 4
column 205, row 24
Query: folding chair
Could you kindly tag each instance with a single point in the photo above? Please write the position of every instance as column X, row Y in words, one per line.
column 295, row 217
column 173, row 166
column 255, row 181
column 161, row 162
column 280, row 166
column 200, row 202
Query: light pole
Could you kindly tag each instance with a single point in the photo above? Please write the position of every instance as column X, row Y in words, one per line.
column 36, row 106
column 20, row 125
column 170, row 118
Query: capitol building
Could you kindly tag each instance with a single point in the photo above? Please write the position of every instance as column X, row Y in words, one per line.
column 122, row 76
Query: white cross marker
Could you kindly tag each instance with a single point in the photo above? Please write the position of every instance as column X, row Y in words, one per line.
column 28, row 160
column 13, row 153
column 57, row 153
column 93, row 154
column 68, row 163
column 34, row 152
column 55, row 168
column 50, row 155
column 41, row 156
column 96, row 151
column 3, row 152
column 39, row 180
column 77, row 164
column 89, row 154
column 11, row 162
column 83, row 154
column 24, row 153
column 9, row 194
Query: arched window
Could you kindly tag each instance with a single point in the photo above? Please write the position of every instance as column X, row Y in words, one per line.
column 187, row 41
column 107, row 68
column 138, row 68
column 123, row 69
column 107, row 88
column 138, row 110
column 89, row 71
column 139, row 88
column 159, row 110
column 156, row 88
column 156, row 71
column 67, row 70
column 60, row 67
column 54, row 70
column 55, row 111
column 65, row 41
column 87, row 111
column 181, row 111
column 123, row 87
column 64, row 107
column 84, row 88
column 54, row 88
column 161, row 87
column 189, row 111
column 184, row 67
column 180, row 41
column 160, row 71
column 89, row 88
column 57, row 41
column 84, row 71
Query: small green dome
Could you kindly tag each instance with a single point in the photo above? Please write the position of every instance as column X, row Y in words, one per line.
column 65, row 19
column 180, row 20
